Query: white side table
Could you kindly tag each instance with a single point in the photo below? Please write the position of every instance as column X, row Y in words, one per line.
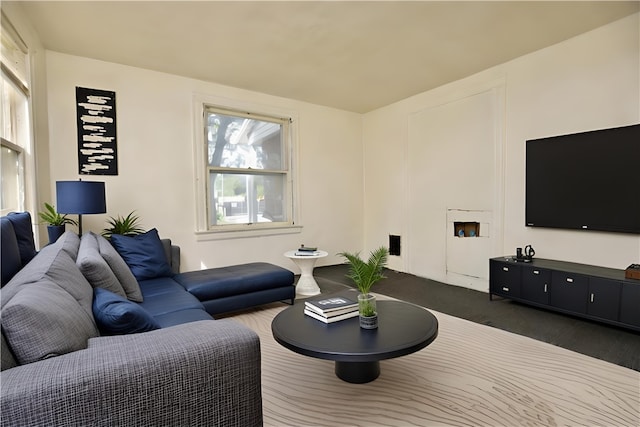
column 307, row 285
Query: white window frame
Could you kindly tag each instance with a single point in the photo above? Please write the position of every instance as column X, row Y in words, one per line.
column 24, row 147
column 231, row 231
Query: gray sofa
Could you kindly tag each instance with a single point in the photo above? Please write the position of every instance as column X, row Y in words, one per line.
column 60, row 368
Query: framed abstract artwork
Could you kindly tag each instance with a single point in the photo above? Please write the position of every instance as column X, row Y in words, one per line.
column 97, row 136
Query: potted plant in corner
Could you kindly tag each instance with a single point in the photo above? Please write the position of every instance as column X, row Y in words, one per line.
column 127, row 226
column 56, row 223
column 364, row 275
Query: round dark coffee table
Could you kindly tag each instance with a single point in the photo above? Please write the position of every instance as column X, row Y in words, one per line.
column 403, row 329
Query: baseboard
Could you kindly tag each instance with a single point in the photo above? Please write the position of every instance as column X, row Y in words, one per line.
column 470, row 282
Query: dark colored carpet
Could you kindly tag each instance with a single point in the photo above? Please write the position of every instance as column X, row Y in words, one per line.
column 609, row 343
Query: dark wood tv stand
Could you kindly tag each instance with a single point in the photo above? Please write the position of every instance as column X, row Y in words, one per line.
column 596, row 293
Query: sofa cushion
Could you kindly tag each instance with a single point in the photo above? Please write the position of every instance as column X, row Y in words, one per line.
column 94, row 268
column 8, row 361
column 43, row 320
column 159, row 285
column 183, row 316
column 10, row 250
column 24, row 233
column 169, row 302
column 115, row 315
column 144, row 254
column 222, row 282
column 120, row 269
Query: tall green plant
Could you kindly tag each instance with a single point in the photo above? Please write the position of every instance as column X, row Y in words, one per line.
column 365, row 274
column 51, row 217
column 127, row 226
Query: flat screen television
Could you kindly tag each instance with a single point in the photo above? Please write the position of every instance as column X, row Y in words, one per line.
column 585, row 181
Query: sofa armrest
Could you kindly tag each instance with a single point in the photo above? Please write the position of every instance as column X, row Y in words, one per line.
column 172, row 253
column 199, row 373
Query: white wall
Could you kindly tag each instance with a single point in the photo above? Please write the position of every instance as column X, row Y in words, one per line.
column 589, row 82
column 155, row 125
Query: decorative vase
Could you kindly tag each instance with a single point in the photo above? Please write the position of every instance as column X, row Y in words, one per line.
column 55, row 231
column 368, row 312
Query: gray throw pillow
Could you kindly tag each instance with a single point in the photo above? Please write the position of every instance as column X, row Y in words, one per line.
column 43, row 320
column 55, row 264
column 69, row 242
column 94, row 268
column 34, row 271
column 65, row 273
column 120, row 269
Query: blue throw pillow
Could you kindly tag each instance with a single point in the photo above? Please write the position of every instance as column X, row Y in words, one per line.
column 22, row 225
column 116, row 315
column 144, row 254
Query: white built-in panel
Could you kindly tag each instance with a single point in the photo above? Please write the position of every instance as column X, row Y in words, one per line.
column 453, row 171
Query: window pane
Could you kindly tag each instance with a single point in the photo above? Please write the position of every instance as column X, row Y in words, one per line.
column 15, row 114
column 240, row 142
column 246, row 199
column 11, row 199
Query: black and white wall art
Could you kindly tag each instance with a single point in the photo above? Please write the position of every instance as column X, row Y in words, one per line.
column 97, row 149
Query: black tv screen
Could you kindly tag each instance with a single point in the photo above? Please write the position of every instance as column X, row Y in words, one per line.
column 585, row 181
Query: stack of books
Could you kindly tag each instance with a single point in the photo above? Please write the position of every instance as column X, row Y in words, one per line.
column 332, row 308
column 307, row 251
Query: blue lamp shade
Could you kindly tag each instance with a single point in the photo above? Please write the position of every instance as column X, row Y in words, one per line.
column 80, row 197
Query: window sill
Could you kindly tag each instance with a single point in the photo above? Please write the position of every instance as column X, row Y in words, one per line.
column 245, row 232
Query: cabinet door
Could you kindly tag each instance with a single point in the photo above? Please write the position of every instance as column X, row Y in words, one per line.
column 630, row 304
column 535, row 284
column 604, row 298
column 504, row 278
column 569, row 291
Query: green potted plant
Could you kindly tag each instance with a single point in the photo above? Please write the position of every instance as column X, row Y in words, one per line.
column 56, row 223
column 364, row 275
column 126, row 226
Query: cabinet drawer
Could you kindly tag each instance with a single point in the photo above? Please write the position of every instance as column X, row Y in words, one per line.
column 569, row 291
column 630, row 304
column 535, row 284
column 504, row 278
column 604, row 298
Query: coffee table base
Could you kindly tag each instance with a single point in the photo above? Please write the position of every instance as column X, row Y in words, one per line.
column 357, row 372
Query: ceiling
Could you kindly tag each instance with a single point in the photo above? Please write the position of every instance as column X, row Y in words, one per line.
column 356, row 56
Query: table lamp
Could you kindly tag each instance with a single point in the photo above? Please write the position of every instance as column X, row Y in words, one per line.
column 80, row 197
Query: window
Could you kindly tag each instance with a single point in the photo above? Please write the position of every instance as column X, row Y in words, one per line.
column 248, row 172
column 14, row 120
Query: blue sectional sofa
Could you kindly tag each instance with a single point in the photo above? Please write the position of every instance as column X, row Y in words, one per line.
column 96, row 336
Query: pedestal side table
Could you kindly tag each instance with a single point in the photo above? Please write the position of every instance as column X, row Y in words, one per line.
column 306, row 285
